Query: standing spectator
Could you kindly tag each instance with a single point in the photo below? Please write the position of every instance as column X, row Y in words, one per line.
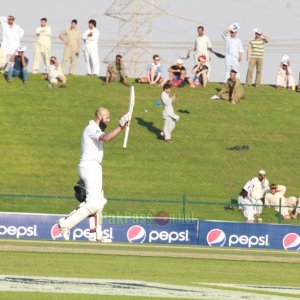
column 200, row 73
column 90, row 49
column 168, row 112
column 116, row 71
column 2, row 60
column 90, row 171
column 285, row 77
column 246, row 206
column 233, row 50
column 257, row 188
column 154, row 73
column 202, row 47
column 71, row 39
column 18, row 65
column 56, row 74
column 233, row 90
column 177, row 74
column 42, row 47
column 255, row 55
column 11, row 36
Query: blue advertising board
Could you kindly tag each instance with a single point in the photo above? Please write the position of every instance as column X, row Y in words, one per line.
column 233, row 234
column 119, row 229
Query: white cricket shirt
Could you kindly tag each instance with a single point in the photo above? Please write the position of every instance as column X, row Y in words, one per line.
column 91, row 146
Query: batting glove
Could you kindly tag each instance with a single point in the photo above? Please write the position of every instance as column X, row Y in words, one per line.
column 124, row 120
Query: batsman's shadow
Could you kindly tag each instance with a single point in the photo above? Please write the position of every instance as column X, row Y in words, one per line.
column 149, row 125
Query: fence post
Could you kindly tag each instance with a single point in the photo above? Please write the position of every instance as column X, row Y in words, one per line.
column 183, row 205
column 279, row 214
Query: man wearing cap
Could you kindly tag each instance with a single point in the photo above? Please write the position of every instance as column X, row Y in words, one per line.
column 255, row 55
column 71, row 39
column 116, row 71
column 177, row 74
column 18, row 65
column 11, row 36
column 233, row 50
column 285, row 77
column 257, row 188
column 233, row 90
column 42, row 47
column 202, row 47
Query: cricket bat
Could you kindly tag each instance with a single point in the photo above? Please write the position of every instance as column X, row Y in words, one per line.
column 130, row 109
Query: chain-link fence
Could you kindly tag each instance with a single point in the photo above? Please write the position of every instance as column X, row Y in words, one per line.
column 180, row 207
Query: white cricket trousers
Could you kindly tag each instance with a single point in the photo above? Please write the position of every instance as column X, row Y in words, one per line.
column 91, row 174
column 92, row 60
column 232, row 63
column 169, row 125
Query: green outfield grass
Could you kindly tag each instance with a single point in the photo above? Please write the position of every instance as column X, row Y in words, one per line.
column 41, row 131
column 139, row 262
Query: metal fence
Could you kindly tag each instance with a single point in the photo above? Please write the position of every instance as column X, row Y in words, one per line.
column 183, row 207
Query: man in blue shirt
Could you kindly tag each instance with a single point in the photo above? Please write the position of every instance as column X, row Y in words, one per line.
column 18, row 65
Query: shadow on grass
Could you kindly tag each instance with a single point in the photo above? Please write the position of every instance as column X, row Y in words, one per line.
column 149, row 125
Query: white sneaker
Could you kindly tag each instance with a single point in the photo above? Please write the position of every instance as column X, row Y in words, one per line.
column 94, row 238
column 215, row 97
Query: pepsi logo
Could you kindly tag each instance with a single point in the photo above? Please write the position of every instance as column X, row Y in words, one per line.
column 55, row 232
column 216, row 237
column 291, row 241
column 136, row 234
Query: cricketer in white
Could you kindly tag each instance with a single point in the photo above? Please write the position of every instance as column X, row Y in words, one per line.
column 90, row 170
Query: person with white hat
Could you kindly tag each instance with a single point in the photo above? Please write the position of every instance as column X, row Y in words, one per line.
column 233, row 50
column 257, row 188
column 18, row 65
column 285, row 77
column 255, row 55
column 177, row 74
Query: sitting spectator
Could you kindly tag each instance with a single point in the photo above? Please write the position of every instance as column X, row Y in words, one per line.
column 233, row 90
column 55, row 74
column 257, row 188
column 285, row 77
column 287, row 207
column 298, row 86
column 18, row 65
column 246, row 206
column 116, row 71
column 200, row 73
column 154, row 73
column 177, row 74
column 2, row 61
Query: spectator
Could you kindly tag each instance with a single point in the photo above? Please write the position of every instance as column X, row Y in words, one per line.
column 2, row 61
column 154, row 73
column 177, row 74
column 71, row 39
column 18, row 65
column 202, row 47
column 42, row 47
column 116, row 71
column 200, row 73
column 255, row 55
column 233, row 90
column 233, row 50
column 56, row 74
column 298, row 86
column 257, row 188
column 11, row 36
column 285, row 77
column 246, row 206
column 169, row 116
column 90, row 49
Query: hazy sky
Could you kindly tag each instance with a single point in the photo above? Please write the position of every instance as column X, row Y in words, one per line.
column 175, row 31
